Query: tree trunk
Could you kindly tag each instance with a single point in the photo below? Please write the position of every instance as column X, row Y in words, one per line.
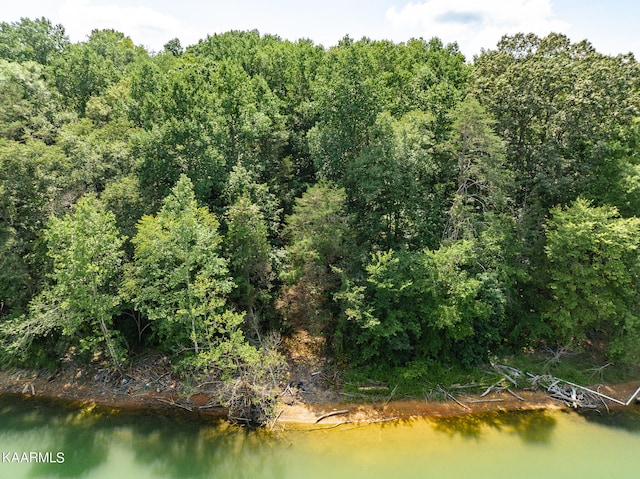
column 112, row 351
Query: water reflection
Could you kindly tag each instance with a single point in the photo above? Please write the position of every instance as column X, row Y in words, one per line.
column 71, row 431
column 530, row 426
column 171, row 446
column 100, row 443
column 627, row 419
column 197, row 452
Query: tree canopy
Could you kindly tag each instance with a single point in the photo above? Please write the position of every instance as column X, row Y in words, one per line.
column 394, row 199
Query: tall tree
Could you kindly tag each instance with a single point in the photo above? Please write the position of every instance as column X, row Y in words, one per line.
column 179, row 281
column 88, row 68
column 86, row 250
column 347, row 93
column 395, row 185
column 247, row 247
column 593, row 257
column 32, row 187
column 28, row 108
column 556, row 104
column 32, row 40
column 319, row 240
column 559, row 108
column 483, row 180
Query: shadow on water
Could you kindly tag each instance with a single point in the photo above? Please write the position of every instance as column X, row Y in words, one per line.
column 191, row 449
column 175, row 445
column 54, row 427
column 530, row 426
column 627, row 419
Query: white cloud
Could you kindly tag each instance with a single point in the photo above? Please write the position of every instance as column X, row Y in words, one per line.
column 473, row 24
column 144, row 25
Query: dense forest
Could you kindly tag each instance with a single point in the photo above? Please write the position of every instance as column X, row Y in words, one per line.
column 403, row 203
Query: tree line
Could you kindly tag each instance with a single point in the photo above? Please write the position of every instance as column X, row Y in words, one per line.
column 394, row 198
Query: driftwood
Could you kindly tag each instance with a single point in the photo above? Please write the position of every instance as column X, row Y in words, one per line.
column 332, row 413
column 25, row 389
column 376, row 421
column 517, row 396
column 350, row 421
column 633, row 396
column 173, row 403
column 248, row 400
column 333, row 426
column 452, row 397
column 373, row 388
column 572, row 394
column 475, row 401
column 487, row 391
column 591, row 391
column 390, row 395
column 353, row 395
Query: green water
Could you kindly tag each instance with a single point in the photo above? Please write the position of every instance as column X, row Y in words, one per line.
column 109, row 444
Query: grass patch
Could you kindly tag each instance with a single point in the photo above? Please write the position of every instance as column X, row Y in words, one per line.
column 424, row 379
column 418, row 379
column 584, row 368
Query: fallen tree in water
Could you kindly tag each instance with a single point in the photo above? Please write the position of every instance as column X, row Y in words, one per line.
column 571, row 394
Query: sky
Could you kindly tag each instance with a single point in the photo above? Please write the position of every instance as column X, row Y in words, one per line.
column 611, row 26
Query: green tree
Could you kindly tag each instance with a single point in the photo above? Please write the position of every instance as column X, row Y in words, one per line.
column 99, row 153
column 86, row 251
column 89, row 68
column 592, row 257
column 32, row 187
column 394, row 186
column 557, row 105
column 347, row 93
column 173, row 47
column 248, row 250
column 483, row 181
column 560, row 108
column 32, row 40
column 28, row 109
column 435, row 305
column 208, row 118
column 180, row 283
column 319, row 240
column 122, row 197
column 242, row 184
column 437, row 80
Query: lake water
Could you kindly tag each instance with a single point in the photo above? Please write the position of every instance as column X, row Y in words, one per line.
column 100, row 443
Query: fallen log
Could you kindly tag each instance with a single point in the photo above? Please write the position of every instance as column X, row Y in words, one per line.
column 633, row 396
column 332, row 413
column 450, row 396
column 617, row 401
column 372, row 421
column 173, row 403
column 487, row 391
column 475, row 401
column 515, row 395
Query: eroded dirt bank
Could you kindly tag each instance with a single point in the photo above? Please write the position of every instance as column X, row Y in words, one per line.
column 152, row 386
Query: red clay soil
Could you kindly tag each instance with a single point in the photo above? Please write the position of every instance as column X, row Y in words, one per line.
column 154, row 387
column 468, row 404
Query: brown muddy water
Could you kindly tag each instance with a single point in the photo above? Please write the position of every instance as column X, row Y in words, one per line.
column 45, row 439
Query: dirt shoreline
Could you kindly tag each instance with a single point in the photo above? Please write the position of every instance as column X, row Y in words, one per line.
column 81, row 388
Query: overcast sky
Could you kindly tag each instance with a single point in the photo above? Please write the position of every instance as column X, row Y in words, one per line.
column 612, row 26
